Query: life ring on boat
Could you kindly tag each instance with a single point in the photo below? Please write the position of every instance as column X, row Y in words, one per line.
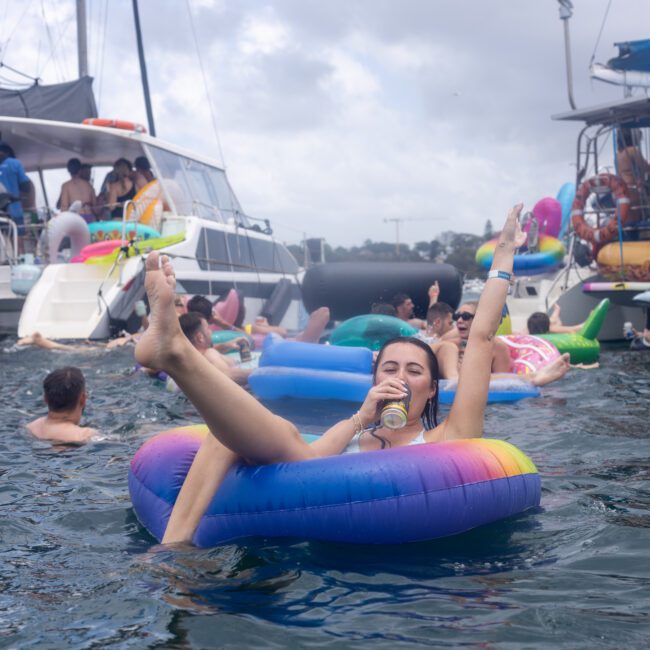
column 609, row 231
column 393, row 496
column 147, row 205
column 529, row 353
column 67, row 224
column 115, row 124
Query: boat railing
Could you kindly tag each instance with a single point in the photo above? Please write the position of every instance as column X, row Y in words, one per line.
column 8, row 249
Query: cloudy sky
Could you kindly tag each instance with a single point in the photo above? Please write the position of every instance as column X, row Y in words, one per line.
column 336, row 115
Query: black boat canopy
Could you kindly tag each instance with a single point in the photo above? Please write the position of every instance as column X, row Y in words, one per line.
column 72, row 101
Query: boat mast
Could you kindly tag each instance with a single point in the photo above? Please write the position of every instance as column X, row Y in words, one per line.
column 143, row 69
column 82, row 39
column 566, row 11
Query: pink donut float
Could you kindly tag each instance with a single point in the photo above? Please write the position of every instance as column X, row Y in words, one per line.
column 529, row 353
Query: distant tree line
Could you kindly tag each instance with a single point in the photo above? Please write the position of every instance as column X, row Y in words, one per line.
column 457, row 249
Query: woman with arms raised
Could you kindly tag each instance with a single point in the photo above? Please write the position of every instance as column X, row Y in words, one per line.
column 244, row 430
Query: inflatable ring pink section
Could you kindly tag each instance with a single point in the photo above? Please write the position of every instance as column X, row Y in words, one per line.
column 529, row 353
column 228, row 308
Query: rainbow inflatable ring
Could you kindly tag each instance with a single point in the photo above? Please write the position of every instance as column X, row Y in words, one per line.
column 406, row 494
column 550, row 256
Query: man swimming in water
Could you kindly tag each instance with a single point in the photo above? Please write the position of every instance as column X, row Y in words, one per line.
column 64, row 392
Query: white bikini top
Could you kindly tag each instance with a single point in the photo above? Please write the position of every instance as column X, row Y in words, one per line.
column 354, row 448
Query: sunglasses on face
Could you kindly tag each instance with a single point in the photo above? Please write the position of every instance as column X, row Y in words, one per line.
column 464, row 315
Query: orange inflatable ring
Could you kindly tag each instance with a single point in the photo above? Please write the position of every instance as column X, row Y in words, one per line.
column 608, row 232
column 115, row 124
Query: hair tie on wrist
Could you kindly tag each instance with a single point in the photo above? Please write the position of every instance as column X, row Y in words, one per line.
column 356, row 421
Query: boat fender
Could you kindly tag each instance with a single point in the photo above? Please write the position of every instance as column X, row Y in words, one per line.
column 276, row 306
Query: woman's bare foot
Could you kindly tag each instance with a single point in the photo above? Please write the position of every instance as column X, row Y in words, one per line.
column 163, row 339
column 552, row 372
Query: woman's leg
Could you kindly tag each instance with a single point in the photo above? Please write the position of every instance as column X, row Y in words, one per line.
column 208, row 469
column 236, row 418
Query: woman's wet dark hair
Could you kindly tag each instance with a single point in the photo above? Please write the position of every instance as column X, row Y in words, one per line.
column 429, row 414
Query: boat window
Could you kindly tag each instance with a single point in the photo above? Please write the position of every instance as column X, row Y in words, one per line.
column 240, row 252
column 270, row 257
column 202, row 190
column 286, row 260
column 217, row 252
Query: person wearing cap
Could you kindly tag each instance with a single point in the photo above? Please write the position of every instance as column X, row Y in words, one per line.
column 14, row 180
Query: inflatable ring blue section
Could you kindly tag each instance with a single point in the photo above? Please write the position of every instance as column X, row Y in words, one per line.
column 276, row 382
column 405, row 494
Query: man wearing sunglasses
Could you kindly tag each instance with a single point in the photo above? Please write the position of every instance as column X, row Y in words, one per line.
column 501, row 362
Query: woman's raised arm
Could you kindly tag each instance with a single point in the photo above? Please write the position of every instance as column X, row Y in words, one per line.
column 466, row 416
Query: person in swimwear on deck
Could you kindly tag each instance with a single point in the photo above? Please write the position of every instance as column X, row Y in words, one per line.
column 64, row 392
column 244, row 430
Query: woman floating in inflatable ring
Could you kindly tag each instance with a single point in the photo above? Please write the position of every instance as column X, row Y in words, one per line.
column 244, row 429
column 608, row 232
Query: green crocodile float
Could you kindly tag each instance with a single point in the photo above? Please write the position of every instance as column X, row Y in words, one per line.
column 583, row 346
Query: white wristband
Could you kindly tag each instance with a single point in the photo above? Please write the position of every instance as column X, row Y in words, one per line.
column 499, row 275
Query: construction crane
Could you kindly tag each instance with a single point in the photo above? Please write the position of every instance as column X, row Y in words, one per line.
column 399, row 220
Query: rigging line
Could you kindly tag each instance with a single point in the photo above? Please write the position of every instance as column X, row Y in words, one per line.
column 5, row 45
column 4, row 21
column 53, row 48
column 100, row 69
column 600, row 33
column 205, row 84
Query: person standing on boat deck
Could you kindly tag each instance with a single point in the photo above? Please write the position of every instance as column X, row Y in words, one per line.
column 242, row 429
column 64, row 392
column 633, row 169
column 77, row 189
column 15, row 180
column 142, row 174
column 195, row 327
column 404, row 306
column 121, row 189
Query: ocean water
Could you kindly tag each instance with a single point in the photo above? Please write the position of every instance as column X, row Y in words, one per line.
column 78, row 571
